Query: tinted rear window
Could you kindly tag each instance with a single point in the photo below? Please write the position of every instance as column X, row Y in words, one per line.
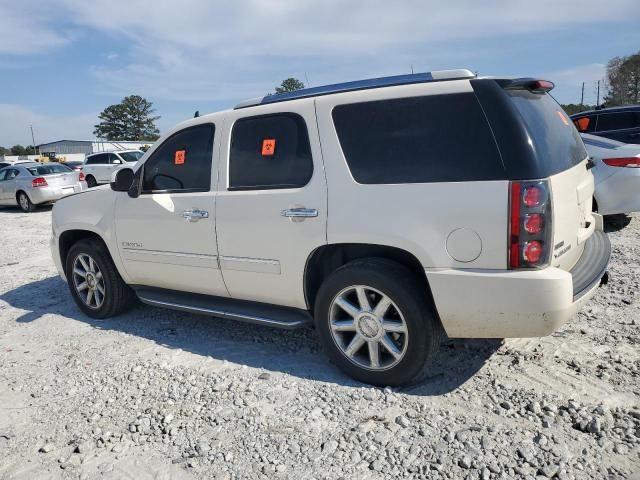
column 48, row 169
column 617, row 121
column 437, row 138
column 558, row 144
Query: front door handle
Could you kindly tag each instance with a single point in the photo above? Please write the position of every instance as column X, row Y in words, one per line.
column 195, row 215
column 300, row 213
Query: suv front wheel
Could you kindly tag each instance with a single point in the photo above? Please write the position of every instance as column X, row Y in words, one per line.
column 94, row 281
column 377, row 323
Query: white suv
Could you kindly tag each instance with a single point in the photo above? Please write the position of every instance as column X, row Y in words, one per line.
column 384, row 212
column 100, row 167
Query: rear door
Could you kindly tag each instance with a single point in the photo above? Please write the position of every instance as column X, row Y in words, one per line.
column 271, row 210
column 561, row 156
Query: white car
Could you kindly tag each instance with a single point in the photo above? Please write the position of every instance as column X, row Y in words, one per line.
column 617, row 174
column 100, row 167
column 385, row 212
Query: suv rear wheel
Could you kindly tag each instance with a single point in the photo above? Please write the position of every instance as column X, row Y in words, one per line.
column 95, row 284
column 376, row 322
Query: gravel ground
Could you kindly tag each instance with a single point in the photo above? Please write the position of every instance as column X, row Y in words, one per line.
column 162, row 394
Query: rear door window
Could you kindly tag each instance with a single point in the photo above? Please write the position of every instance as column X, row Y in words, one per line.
column 270, row 151
column 182, row 163
column 97, row 159
column 557, row 143
column 617, row 121
column 437, row 138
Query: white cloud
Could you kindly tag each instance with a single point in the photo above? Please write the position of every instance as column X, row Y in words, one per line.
column 220, row 50
column 15, row 121
column 26, row 28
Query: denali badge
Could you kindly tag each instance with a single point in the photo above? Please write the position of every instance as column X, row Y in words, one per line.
column 562, row 252
column 131, row 245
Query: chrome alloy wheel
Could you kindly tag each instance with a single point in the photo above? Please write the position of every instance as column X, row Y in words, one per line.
column 368, row 328
column 87, row 278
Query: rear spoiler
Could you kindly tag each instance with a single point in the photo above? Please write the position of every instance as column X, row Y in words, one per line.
column 531, row 84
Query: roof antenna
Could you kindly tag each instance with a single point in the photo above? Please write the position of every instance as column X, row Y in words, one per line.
column 197, row 114
column 411, row 68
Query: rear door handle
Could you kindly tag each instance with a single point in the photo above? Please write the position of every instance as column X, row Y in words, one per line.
column 195, row 215
column 300, row 213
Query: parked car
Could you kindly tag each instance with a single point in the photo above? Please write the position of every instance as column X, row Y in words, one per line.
column 6, row 163
column 616, row 168
column 75, row 165
column 31, row 184
column 616, row 123
column 100, row 167
column 386, row 212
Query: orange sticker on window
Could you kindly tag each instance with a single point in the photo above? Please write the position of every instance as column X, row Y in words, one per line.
column 268, row 146
column 563, row 117
column 582, row 124
column 179, row 157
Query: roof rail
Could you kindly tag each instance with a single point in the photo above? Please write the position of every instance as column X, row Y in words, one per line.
column 435, row 76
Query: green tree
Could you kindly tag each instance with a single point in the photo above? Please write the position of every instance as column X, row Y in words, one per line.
column 131, row 119
column 4, row 151
column 623, row 76
column 290, row 85
column 571, row 108
column 20, row 150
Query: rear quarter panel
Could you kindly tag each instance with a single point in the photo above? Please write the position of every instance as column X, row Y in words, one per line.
column 417, row 218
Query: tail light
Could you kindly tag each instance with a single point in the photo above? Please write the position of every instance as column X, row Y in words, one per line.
column 632, row 162
column 81, row 177
column 39, row 182
column 529, row 224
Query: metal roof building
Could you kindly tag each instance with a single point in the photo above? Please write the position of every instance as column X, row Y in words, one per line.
column 67, row 147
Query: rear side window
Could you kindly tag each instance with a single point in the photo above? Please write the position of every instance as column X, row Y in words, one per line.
column 557, row 143
column 50, row 169
column 438, row 138
column 97, row 159
column 618, row 121
column 182, row 163
column 270, row 151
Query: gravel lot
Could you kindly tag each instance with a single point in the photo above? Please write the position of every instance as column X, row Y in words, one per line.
column 161, row 394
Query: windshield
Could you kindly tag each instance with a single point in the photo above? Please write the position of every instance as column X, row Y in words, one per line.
column 131, row 156
column 556, row 140
column 48, row 169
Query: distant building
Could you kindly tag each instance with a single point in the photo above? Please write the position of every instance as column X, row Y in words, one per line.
column 66, row 147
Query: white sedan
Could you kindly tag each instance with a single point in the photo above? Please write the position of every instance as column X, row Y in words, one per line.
column 617, row 174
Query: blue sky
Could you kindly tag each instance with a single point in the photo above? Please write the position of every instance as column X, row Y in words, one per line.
column 63, row 61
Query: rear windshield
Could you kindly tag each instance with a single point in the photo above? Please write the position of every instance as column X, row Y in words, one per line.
column 48, row 169
column 131, row 156
column 556, row 140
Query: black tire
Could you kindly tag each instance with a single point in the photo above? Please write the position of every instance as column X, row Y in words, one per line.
column 117, row 296
column 25, row 203
column 412, row 299
column 91, row 182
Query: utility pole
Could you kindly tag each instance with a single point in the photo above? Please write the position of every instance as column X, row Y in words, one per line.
column 582, row 96
column 598, row 95
column 33, row 138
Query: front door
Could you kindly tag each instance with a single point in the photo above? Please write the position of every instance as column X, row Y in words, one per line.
column 271, row 211
column 166, row 236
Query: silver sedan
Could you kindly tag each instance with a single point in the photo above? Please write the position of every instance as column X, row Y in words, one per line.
column 30, row 184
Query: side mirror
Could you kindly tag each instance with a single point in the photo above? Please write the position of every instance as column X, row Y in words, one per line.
column 123, row 180
column 117, row 161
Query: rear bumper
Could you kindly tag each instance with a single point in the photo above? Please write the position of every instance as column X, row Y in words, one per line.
column 51, row 194
column 521, row 303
